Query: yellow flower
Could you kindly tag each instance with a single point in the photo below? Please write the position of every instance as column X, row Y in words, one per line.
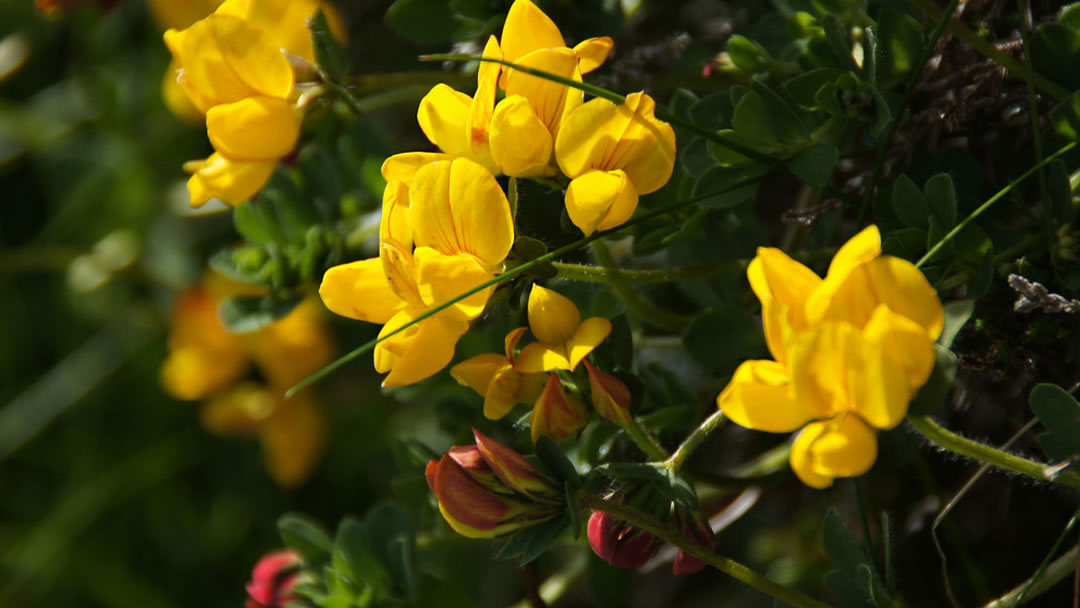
column 493, row 376
column 286, row 21
column 850, row 350
column 447, row 233
column 612, row 154
column 563, row 338
column 205, row 361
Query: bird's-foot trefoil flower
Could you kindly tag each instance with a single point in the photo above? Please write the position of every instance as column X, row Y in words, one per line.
column 850, row 351
column 612, row 155
column 446, row 234
column 493, row 377
column 487, row 489
column 563, row 339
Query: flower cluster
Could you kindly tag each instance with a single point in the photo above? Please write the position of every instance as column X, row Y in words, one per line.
column 234, row 68
column 205, row 362
column 447, row 226
column 850, row 351
column 563, row 341
column 487, row 489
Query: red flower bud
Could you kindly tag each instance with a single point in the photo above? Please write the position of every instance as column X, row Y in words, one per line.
column 689, row 564
column 610, row 396
column 273, row 579
column 618, row 543
column 555, row 413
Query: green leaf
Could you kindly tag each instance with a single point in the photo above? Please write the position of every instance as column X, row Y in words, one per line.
column 941, row 198
column 393, row 539
column 527, row 248
column 718, row 178
column 307, row 537
column 1060, row 414
column 752, row 119
column 907, row 243
column 330, row 54
column 244, row 265
column 837, row 38
column 573, row 509
column 909, row 204
column 531, row 542
column 803, row 89
column 815, row 165
column 956, row 316
column 257, row 224
column 354, row 545
column 747, row 55
column 721, row 338
column 556, row 463
column 931, row 396
column 422, row 21
column 695, row 157
column 245, row 314
column 900, row 39
column 1055, row 52
column 617, row 351
column 1066, row 117
column 856, row 583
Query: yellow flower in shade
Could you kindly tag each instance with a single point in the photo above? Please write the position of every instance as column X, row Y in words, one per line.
column 493, row 376
column 612, row 154
column 563, row 338
column 447, row 233
column 850, row 351
column 205, row 361
column 555, row 413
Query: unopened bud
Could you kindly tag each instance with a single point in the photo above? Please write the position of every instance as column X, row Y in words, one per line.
column 618, row 543
column 610, row 396
column 273, row 580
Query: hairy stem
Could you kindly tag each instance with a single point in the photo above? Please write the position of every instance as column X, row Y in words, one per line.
column 644, row 439
column 599, row 274
column 724, row 564
column 678, row 459
column 648, row 311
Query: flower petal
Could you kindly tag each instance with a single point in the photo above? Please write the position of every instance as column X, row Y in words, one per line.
column 897, row 360
column 610, row 396
column 550, row 100
column 825, row 365
column 477, row 372
column 440, row 278
column 555, row 413
column 255, row 128
column 469, row 508
column 443, row 116
column 553, row 318
column 592, row 53
column 360, row 290
column 587, row 337
column 403, row 167
column 904, row 289
column 600, row 200
column 483, row 102
column 231, row 181
column 520, row 143
column 527, row 29
column 293, row 440
column 514, row 469
column 421, row 350
column 394, row 222
column 760, row 397
column 538, row 357
column 842, row 447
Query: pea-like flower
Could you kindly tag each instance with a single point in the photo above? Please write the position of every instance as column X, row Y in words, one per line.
column 487, row 489
column 613, row 154
column 850, row 351
column 446, row 234
column 274, row 579
column 563, row 339
column 493, row 376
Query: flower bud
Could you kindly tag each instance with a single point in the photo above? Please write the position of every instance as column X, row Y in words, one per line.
column 686, row 563
column 610, row 396
column 555, row 413
column 487, row 489
column 273, row 579
column 618, row 543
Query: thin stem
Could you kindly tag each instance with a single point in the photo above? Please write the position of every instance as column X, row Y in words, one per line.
column 988, row 50
column 1046, row 560
column 993, row 199
column 644, row 439
column 724, row 564
column 599, row 274
column 393, row 80
column 963, row 446
column 691, row 443
column 649, row 312
column 909, row 93
column 1052, row 575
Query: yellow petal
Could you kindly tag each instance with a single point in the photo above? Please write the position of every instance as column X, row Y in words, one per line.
column 845, row 294
column 394, row 222
column 784, row 283
column 443, row 116
column 592, row 53
column 477, row 372
column 538, row 357
column 601, row 135
column 586, row 337
column 231, row 181
column 419, row 351
column 898, row 360
column 256, row 128
column 239, row 411
column 293, row 440
column 203, row 356
column 859, row 250
column 399, row 268
column 904, row 289
column 760, row 397
column 190, row 374
column 824, row 362
column 483, row 103
column 843, row 447
column 511, row 341
column 176, row 98
column 285, row 21
column 503, row 393
column 520, row 143
column 292, row 348
column 360, row 290
column 553, row 318
column 600, row 200
column 556, row 414
column 527, row 29
column 548, row 99
column 458, row 207
column 441, row 278
column 403, row 167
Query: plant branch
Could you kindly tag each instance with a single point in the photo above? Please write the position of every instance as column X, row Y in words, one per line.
column 929, row 428
column 724, row 564
column 649, row 312
column 599, row 274
column 644, row 439
column 691, row 443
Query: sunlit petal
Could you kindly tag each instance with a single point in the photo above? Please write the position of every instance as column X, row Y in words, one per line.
column 553, row 317
column 256, row 128
column 360, row 290
column 760, row 397
column 600, row 200
column 520, row 143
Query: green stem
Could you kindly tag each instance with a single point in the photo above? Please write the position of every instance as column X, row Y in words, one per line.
column 993, row 199
column 599, row 274
column 909, row 93
column 649, row 312
column 393, row 80
column 724, row 564
column 963, row 446
column 1052, row 575
column 644, row 439
column 509, row 274
column 988, row 50
column 1046, row 560
column 678, row 458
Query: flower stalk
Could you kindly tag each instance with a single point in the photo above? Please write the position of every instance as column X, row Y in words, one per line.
column 683, row 452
